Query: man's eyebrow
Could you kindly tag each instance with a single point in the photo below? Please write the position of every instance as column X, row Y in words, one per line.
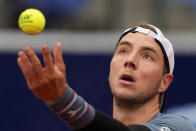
column 147, row 48
column 124, row 43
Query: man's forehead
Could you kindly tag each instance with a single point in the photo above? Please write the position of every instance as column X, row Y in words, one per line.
column 138, row 39
column 137, row 35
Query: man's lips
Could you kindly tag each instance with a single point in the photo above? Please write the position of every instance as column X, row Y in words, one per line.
column 127, row 79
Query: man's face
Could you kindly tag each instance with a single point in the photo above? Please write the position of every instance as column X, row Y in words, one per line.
column 136, row 68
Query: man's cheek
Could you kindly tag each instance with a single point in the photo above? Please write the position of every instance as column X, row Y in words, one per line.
column 115, row 65
column 113, row 71
column 113, row 74
column 150, row 75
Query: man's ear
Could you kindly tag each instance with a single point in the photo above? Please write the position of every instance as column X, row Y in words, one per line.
column 166, row 81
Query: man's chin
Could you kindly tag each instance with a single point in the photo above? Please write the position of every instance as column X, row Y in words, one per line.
column 123, row 97
column 125, row 100
column 123, row 94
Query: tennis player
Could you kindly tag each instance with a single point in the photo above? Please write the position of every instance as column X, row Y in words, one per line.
column 141, row 71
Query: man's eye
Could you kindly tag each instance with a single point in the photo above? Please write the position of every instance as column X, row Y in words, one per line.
column 148, row 57
column 123, row 51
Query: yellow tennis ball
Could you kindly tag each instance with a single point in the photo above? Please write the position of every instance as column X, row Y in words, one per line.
column 31, row 21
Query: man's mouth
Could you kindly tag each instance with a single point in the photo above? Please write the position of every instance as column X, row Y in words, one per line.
column 127, row 78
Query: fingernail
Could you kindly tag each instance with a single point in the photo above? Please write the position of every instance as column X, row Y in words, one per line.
column 20, row 53
column 59, row 43
column 27, row 48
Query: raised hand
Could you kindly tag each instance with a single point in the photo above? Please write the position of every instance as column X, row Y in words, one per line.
column 47, row 83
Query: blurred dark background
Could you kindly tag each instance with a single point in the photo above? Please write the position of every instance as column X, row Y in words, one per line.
column 88, row 31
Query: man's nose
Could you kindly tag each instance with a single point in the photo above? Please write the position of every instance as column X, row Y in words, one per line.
column 131, row 62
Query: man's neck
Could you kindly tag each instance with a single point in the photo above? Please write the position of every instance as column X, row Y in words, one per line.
column 138, row 115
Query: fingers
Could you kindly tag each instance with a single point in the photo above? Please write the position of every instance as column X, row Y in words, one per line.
column 48, row 60
column 58, row 58
column 47, row 83
column 26, row 68
column 36, row 64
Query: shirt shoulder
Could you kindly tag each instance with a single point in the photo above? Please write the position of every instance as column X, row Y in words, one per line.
column 170, row 122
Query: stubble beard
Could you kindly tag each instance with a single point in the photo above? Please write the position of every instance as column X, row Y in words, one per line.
column 134, row 101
